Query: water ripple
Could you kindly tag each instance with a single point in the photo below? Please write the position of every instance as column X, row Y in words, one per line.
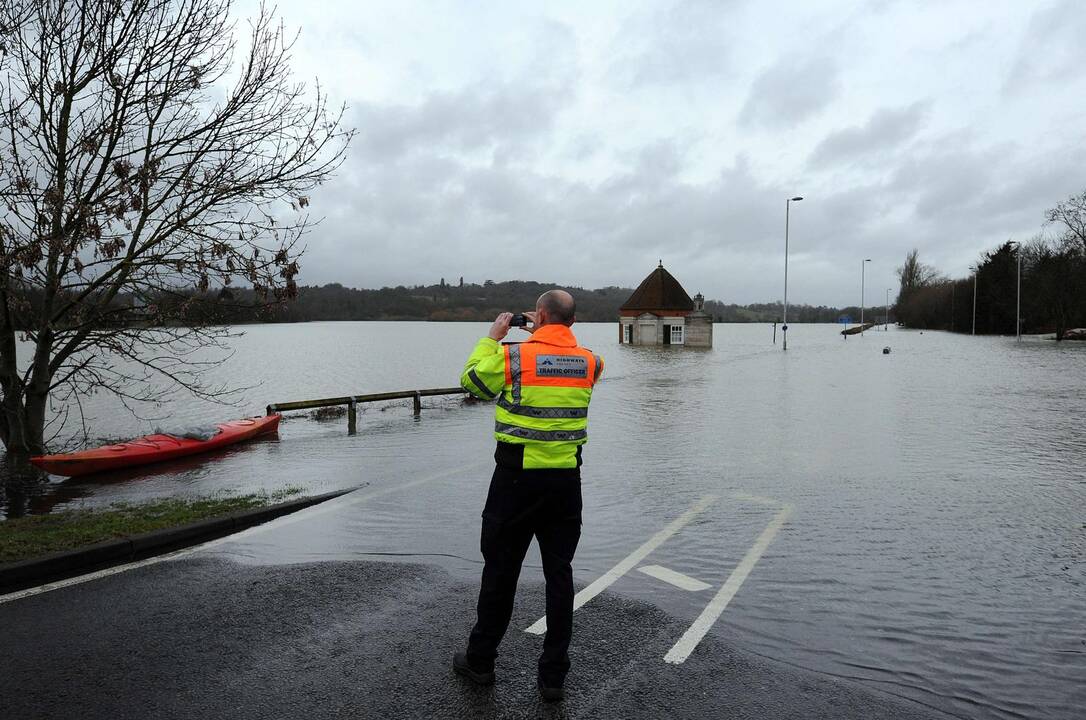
column 937, row 550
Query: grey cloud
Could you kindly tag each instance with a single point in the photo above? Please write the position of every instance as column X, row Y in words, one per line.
column 423, row 217
column 583, row 146
column 884, row 131
column 554, row 54
column 662, row 159
column 949, row 175
column 462, row 121
column 423, row 211
column 955, row 199
column 418, row 219
column 488, row 176
column 790, row 91
column 1052, row 48
column 952, row 198
column 687, row 41
column 503, row 112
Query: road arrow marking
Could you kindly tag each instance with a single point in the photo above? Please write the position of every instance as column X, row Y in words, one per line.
column 630, row 561
column 677, row 579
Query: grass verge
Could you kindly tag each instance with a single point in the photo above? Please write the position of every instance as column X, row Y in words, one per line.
column 37, row 535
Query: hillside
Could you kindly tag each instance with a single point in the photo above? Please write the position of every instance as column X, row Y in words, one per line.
column 468, row 302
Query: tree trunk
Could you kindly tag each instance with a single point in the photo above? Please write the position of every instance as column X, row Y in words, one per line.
column 12, row 412
column 34, row 407
column 22, row 434
column 23, row 424
column 36, row 397
column 22, row 412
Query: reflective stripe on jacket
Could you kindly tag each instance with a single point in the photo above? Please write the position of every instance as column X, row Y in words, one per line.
column 543, row 387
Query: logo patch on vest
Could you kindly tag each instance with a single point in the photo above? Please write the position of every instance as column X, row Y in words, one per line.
column 569, row 366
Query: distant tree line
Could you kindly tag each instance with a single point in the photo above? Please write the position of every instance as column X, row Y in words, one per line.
column 1053, row 284
column 478, row 303
column 773, row 312
column 438, row 302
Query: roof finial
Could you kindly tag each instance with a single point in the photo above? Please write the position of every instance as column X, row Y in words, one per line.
column 661, row 263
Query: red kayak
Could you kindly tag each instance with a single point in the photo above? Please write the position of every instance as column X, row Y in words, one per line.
column 153, row 448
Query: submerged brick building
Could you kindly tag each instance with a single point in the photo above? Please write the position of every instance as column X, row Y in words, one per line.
column 660, row 312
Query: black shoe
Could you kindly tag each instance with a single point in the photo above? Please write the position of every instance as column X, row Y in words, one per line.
column 461, row 666
column 550, row 694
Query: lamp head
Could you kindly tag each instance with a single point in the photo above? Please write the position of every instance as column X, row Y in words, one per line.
column 797, row 198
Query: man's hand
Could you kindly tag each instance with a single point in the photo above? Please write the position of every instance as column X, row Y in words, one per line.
column 534, row 323
column 500, row 328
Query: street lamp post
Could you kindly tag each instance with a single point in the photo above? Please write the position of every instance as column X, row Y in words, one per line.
column 863, row 266
column 953, row 300
column 1018, row 309
column 886, row 322
column 784, row 324
column 975, row 271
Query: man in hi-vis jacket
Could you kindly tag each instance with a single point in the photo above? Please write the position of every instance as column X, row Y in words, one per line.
column 543, row 387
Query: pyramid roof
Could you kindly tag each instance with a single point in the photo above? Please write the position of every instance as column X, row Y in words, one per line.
column 659, row 291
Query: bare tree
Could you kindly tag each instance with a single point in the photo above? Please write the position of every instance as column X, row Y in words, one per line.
column 144, row 154
column 915, row 274
column 1070, row 215
column 915, row 300
column 1056, row 278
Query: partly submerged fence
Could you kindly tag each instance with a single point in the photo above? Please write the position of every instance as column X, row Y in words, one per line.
column 352, row 402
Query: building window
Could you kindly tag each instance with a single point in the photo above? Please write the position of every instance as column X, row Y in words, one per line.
column 676, row 334
column 627, row 333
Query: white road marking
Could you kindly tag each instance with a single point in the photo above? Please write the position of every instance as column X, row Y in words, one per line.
column 626, row 564
column 341, row 502
column 757, row 499
column 677, row 579
column 693, row 635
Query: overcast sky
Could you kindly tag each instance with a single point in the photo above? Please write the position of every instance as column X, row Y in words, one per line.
column 580, row 143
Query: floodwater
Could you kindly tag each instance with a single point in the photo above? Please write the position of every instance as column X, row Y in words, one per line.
column 936, row 545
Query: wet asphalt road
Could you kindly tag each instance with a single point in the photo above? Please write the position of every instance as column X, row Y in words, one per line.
column 205, row 637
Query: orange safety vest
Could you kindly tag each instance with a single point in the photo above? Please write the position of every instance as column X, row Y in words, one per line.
column 543, row 387
column 548, row 386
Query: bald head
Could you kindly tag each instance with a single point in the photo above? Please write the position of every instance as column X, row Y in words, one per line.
column 556, row 307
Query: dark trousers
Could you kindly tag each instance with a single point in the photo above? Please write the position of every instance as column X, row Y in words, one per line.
column 521, row 504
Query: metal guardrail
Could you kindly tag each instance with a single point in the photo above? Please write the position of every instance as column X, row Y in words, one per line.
column 857, row 329
column 352, row 402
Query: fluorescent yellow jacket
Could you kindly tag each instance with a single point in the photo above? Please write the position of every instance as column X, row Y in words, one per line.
column 543, row 387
